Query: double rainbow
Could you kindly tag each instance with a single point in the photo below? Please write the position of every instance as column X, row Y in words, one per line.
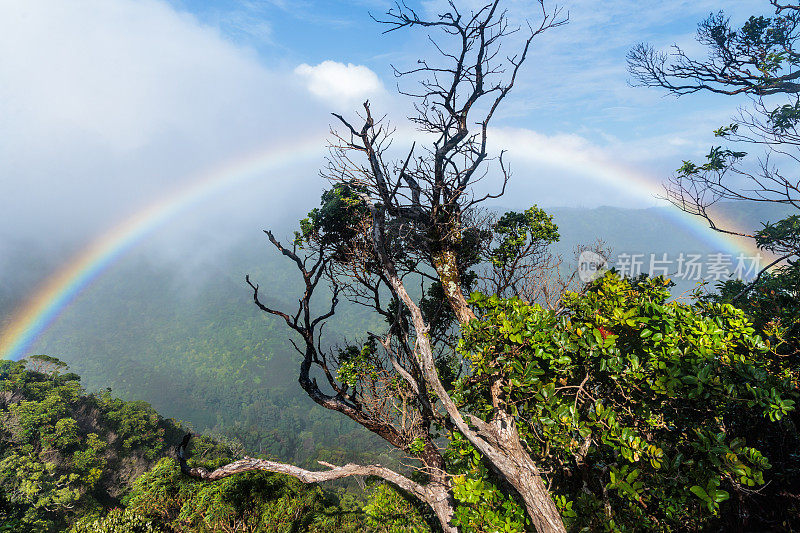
column 55, row 295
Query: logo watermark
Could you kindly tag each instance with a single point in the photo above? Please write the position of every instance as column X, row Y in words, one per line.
column 591, row 266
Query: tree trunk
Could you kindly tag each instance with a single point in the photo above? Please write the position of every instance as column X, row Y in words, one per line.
column 441, row 501
column 447, row 269
column 440, row 496
column 517, row 466
column 524, row 476
column 498, row 441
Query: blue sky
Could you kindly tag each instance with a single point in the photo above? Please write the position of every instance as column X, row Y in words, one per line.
column 107, row 104
column 575, row 81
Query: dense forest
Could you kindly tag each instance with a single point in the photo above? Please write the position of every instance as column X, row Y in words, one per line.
column 413, row 357
column 78, row 462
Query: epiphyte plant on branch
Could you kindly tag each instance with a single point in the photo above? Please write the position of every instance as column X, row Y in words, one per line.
column 384, row 224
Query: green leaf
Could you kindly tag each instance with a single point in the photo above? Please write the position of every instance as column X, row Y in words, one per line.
column 700, row 493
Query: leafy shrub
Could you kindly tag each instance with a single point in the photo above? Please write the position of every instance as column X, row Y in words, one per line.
column 641, row 408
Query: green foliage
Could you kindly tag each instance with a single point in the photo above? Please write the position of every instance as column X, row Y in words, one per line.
column 718, row 160
column 764, row 42
column 44, row 364
column 117, row 521
column 337, row 221
column 773, row 304
column 783, row 119
column 481, row 504
column 137, row 424
column 355, row 364
column 780, row 237
column 387, row 511
column 257, row 501
column 69, row 460
column 641, row 407
column 515, row 230
column 64, row 453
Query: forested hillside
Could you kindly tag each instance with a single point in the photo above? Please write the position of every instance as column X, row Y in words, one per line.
column 202, row 354
column 92, row 463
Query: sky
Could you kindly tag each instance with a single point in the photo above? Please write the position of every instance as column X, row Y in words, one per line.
column 108, row 106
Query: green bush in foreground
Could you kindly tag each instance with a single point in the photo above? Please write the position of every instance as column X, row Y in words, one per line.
column 641, row 409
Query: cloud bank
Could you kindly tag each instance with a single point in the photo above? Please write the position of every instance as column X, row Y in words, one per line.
column 110, row 104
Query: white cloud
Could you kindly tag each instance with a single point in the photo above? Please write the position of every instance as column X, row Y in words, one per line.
column 339, row 83
column 118, row 71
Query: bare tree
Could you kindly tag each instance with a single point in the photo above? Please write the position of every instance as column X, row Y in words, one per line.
column 385, row 224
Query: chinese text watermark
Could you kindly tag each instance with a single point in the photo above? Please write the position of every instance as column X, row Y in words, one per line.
column 715, row 266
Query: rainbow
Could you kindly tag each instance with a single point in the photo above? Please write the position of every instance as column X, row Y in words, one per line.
column 53, row 297
column 584, row 160
column 47, row 303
